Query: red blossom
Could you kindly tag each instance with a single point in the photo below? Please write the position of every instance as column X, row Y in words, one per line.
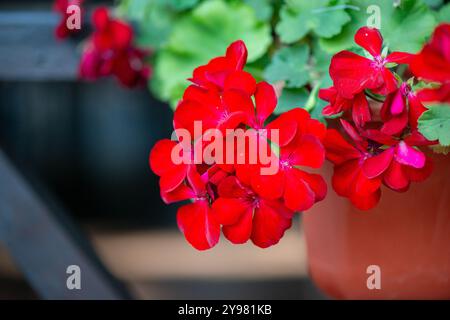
column 385, row 147
column 358, row 105
column 238, row 197
column 245, row 215
column 352, row 73
column 401, row 107
column 433, row 61
column 349, row 180
column 110, row 51
column 213, row 74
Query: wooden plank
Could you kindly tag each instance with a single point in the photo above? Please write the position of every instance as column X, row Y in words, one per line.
column 155, row 255
column 29, row 50
column 43, row 245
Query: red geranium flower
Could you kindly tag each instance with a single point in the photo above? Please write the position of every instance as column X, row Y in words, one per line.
column 245, row 215
column 352, row 73
column 349, row 179
column 60, row 6
column 213, row 74
column 110, row 34
column 299, row 189
column 433, row 61
column 400, row 108
column 358, row 105
column 238, row 196
column 401, row 162
column 110, row 51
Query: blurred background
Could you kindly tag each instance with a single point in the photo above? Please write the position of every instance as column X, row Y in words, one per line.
column 83, row 147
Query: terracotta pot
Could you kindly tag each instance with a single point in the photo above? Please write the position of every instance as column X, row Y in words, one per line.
column 407, row 235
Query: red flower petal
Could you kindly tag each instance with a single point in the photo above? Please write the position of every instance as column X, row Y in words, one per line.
column 399, row 57
column 380, row 137
column 172, row 178
column 181, row 193
column 352, row 73
column 237, row 102
column 298, row 196
column 419, row 175
column 376, row 165
column 266, row 102
column 395, row 177
column 198, row 226
column 268, row 186
column 268, row 225
column 364, row 185
column 395, row 124
column 228, row 211
column 366, row 202
column 409, row 156
column 338, row 149
column 361, row 111
column 100, row 17
column 433, row 61
column 398, row 103
column 241, row 231
column 370, row 39
column 287, row 128
column 237, row 53
column 160, row 158
column 231, row 187
column 416, row 109
column 351, row 131
column 240, row 80
column 316, row 183
column 344, row 176
column 306, row 150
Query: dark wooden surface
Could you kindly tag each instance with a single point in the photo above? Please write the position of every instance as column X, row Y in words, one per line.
column 29, row 50
column 43, row 246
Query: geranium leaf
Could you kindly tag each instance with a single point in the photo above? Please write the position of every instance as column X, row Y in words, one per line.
column 154, row 20
column 202, row 34
column 325, row 18
column 263, row 8
column 434, row 123
column 289, row 64
column 444, row 13
column 291, row 98
column 179, row 4
column 404, row 27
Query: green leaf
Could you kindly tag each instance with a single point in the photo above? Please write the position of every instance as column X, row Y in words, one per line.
column 404, row 28
column 179, row 4
column 433, row 3
column 325, row 18
column 434, row 123
column 263, row 8
column 289, row 64
column 199, row 36
column 444, row 13
column 291, row 98
column 154, row 20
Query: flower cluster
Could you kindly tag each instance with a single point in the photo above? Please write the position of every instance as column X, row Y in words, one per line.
column 110, row 51
column 433, row 64
column 237, row 197
column 60, row 6
column 383, row 141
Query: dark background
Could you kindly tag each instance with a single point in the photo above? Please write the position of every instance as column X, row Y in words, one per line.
column 87, row 142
